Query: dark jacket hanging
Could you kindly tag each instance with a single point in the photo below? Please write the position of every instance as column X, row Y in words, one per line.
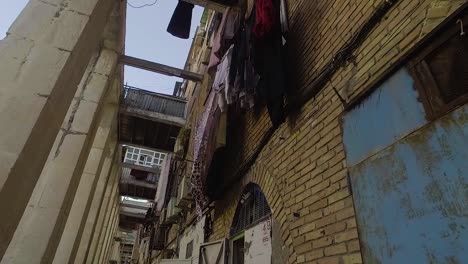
column 181, row 20
column 269, row 63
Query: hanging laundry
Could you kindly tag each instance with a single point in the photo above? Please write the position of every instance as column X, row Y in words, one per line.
column 284, row 16
column 181, row 20
column 162, row 184
column 224, row 36
column 269, row 63
column 242, row 76
column 213, row 27
column 222, row 84
column 217, row 46
column 232, row 25
column 249, row 8
column 204, row 145
column 265, row 18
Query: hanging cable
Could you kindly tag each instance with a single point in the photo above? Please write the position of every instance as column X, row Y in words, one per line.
column 145, row 5
column 345, row 53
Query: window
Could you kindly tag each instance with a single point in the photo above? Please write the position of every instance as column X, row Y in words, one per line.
column 189, row 250
column 441, row 72
column 238, row 250
column 144, row 157
column 252, row 208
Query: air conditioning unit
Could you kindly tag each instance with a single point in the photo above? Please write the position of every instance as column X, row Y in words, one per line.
column 173, row 213
column 184, row 195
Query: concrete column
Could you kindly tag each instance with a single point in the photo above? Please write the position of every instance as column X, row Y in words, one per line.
column 99, row 203
column 42, row 60
column 101, row 227
column 108, row 243
column 104, row 234
column 103, row 178
column 44, row 219
column 114, row 232
column 104, row 141
column 115, row 253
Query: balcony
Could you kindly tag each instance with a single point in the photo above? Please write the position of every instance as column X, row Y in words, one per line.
column 136, row 183
column 150, row 119
column 133, row 211
column 141, row 169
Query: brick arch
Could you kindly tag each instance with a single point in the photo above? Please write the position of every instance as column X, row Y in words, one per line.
column 260, row 175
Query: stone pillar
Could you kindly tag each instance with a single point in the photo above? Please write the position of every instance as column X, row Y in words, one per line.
column 42, row 60
column 108, row 243
column 103, row 150
column 44, row 219
column 115, row 252
column 100, row 202
column 115, row 230
column 104, row 234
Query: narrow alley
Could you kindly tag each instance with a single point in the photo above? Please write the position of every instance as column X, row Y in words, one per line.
column 296, row 131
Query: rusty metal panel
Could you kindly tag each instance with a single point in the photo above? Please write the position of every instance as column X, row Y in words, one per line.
column 410, row 192
column 390, row 113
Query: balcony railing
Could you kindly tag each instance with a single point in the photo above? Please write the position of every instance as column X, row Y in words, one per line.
column 154, row 102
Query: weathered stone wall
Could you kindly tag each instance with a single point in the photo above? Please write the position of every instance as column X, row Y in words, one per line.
column 302, row 169
column 60, row 104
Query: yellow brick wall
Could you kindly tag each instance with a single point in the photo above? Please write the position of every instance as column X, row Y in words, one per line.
column 302, row 169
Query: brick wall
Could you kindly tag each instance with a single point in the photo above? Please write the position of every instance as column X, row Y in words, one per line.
column 302, row 169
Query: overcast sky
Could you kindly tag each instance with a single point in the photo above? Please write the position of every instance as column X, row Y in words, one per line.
column 146, row 38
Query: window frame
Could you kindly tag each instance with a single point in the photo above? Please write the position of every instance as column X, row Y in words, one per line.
column 425, row 82
column 238, row 236
column 189, row 247
column 144, row 157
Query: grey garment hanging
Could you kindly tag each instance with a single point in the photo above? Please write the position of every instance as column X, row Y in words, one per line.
column 181, row 20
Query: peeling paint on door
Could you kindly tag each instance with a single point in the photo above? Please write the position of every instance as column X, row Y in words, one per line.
column 409, row 179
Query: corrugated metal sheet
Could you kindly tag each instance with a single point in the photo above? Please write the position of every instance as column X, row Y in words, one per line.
column 410, row 192
column 155, row 102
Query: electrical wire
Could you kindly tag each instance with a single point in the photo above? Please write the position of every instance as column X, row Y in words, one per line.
column 145, row 5
column 345, row 53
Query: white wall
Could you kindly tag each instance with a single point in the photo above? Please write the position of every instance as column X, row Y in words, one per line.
column 195, row 233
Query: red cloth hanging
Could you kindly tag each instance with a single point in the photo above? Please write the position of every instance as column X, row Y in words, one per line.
column 265, row 18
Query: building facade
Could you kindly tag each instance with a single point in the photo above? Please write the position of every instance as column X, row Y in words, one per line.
column 365, row 165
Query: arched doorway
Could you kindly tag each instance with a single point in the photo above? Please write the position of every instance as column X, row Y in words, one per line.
column 250, row 233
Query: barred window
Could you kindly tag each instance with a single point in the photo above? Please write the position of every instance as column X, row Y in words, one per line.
column 251, row 209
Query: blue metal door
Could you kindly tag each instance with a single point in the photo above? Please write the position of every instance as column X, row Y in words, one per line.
column 409, row 177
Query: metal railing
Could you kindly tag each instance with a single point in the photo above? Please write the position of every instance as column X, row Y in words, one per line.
column 154, row 102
